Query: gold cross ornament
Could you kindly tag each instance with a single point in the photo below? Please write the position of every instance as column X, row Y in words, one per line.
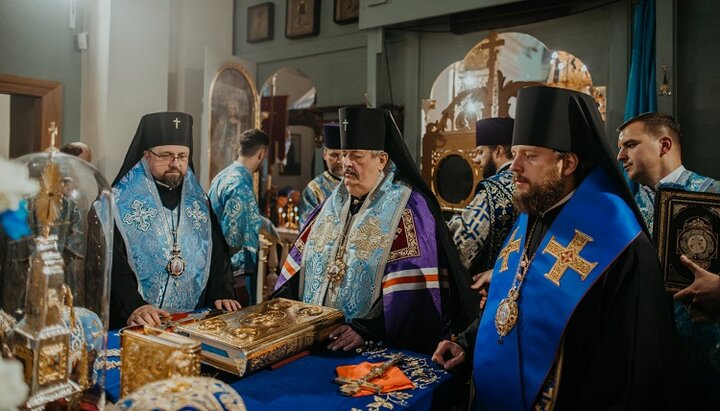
column 511, row 247
column 569, row 257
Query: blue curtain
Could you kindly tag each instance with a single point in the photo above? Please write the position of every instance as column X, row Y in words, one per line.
column 641, row 89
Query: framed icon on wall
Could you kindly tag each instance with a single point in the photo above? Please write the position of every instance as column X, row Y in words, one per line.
column 260, row 22
column 302, row 18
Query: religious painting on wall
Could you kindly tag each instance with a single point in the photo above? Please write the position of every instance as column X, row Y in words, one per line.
column 233, row 109
column 260, row 22
column 346, row 11
column 302, row 18
column 686, row 223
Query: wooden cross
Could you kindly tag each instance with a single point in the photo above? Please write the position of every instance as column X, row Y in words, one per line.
column 177, row 123
column 511, row 247
column 568, row 257
column 492, row 46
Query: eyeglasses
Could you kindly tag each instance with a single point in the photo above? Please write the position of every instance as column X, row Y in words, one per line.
column 169, row 158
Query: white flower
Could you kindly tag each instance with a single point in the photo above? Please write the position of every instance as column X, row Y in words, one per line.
column 13, row 390
column 15, row 184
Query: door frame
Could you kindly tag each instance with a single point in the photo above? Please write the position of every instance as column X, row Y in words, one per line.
column 50, row 95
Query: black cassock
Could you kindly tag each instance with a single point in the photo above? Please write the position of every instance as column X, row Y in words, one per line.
column 124, row 295
column 619, row 343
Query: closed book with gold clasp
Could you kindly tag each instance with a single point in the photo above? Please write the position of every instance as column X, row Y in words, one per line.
column 254, row 337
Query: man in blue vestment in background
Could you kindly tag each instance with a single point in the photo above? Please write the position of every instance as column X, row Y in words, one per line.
column 321, row 186
column 650, row 147
column 233, row 199
column 480, row 230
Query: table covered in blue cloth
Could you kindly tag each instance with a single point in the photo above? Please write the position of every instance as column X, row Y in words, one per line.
column 307, row 383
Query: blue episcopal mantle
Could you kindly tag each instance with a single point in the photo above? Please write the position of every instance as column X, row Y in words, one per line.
column 146, row 227
column 510, row 375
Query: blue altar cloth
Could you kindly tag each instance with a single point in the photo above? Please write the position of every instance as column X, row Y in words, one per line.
column 307, row 383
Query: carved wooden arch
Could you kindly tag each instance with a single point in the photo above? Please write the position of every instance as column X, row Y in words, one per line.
column 50, row 102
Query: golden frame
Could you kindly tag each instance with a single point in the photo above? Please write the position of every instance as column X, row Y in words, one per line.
column 232, row 85
column 437, row 157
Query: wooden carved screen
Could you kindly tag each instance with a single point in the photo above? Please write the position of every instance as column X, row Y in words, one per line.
column 483, row 85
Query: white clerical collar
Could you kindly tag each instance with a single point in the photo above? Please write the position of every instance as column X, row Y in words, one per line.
column 672, row 177
column 559, row 203
column 504, row 166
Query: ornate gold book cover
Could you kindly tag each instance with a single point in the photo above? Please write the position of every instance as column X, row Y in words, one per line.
column 260, row 335
column 686, row 223
column 150, row 355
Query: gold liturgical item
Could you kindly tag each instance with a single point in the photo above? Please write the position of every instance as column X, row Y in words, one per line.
column 150, row 354
column 254, row 337
column 351, row 387
column 41, row 341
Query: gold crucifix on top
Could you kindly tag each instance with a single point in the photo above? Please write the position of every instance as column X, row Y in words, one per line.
column 53, row 130
column 568, row 257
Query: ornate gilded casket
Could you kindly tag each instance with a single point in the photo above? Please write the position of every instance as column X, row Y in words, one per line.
column 152, row 356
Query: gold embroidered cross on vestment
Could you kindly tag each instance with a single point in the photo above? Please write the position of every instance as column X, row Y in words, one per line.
column 568, row 257
column 369, row 237
column 512, row 246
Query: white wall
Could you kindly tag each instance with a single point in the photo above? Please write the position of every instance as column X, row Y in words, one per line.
column 195, row 24
column 145, row 56
column 4, row 125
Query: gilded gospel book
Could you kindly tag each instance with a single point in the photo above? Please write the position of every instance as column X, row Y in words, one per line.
column 686, row 223
column 254, row 337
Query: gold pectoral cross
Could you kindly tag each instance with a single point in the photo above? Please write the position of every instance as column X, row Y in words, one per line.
column 511, row 247
column 568, row 257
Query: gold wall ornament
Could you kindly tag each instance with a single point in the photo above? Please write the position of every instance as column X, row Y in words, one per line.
column 150, row 355
column 261, row 335
column 450, row 152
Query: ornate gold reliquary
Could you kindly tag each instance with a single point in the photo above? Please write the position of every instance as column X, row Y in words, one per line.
column 151, row 355
column 254, row 337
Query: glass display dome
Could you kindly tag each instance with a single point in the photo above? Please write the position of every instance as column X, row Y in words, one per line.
column 55, row 283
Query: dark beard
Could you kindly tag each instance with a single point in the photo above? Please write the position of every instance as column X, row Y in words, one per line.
column 173, row 180
column 337, row 172
column 489, row 169
column 542, row 196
